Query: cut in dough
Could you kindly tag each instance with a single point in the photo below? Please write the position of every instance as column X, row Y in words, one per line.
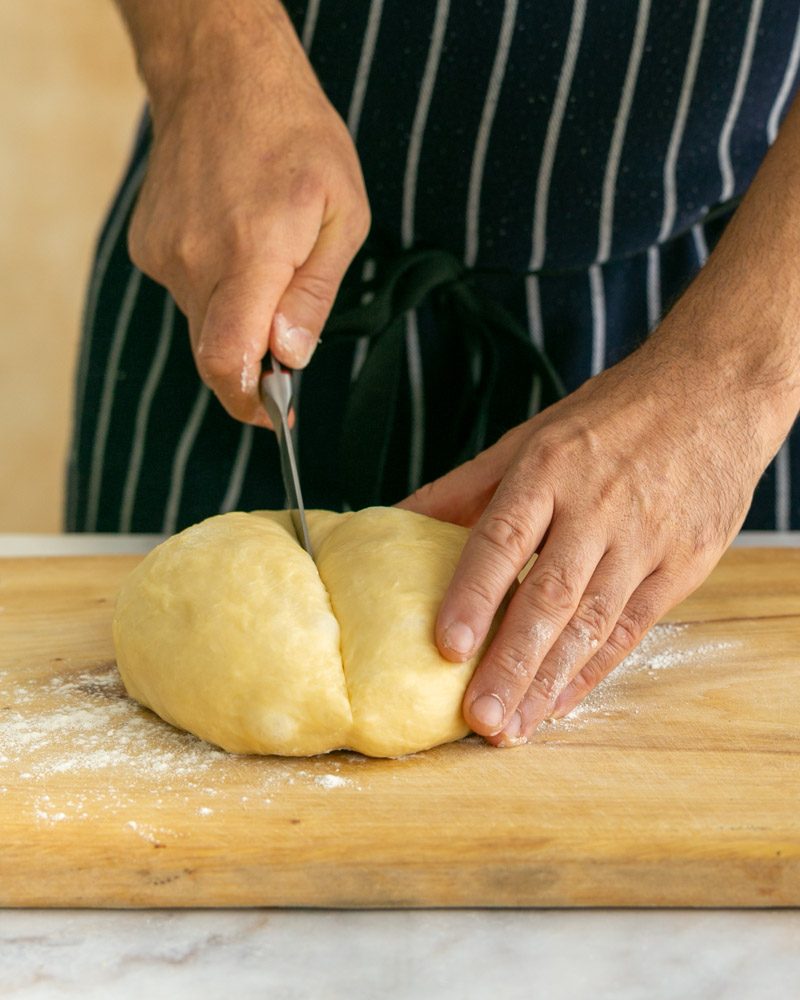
column 230, row 630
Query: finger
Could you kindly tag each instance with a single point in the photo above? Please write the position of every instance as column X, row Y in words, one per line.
column 306, row 303
column 256, row 415
column 544, row 603
column 649, row 602
column 498, row 547
column 587, row 631
column 234, row 335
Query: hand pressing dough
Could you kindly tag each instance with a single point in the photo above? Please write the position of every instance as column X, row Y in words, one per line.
column 230, row 630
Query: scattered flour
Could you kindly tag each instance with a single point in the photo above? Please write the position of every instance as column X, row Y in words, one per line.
column 92, row 728
column 331, row 781
column 152, row 834
column 57, row 732
column 663, row 648
column 651, row 655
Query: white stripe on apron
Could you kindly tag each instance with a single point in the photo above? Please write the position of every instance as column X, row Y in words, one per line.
column 143, row 413
column 618, row 137
column 782, row 489
column 553, row 132
column 309, row 24
column 179, row 462
column 485, row 129
column 416, row 452
column 598, row 318
column 364, row 67
column 653, row 287
column 700, row 245
column 678, row 126
column 745, row 63
column 234, row 491
column 107, row 397
column 417, row 435
column 785, row 87
column 536, row 331
column 353, row 121
column 106, row 249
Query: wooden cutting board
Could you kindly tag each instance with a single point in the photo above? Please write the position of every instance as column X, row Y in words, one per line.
column 677, row 785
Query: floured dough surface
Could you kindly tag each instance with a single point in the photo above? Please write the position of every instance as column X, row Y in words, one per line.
column 231, row 631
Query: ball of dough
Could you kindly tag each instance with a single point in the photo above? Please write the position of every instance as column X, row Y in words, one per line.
column 231, row 631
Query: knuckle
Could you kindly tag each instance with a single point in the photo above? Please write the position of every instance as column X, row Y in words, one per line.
column 136, row 245
column 543, row 689
column 586, row 681
column 166, row 256
column 540, row 695
column 507, row 537
column 549, row 451
column 241, row 239
column 552, row 586
column 215, row 367
column 144, row 253
column 306, row 188
column 318, row 290
column 358, row 223
column 591, row 622
column 628, row 631
column 186, row 252
column 514, row 669
column 480, row 594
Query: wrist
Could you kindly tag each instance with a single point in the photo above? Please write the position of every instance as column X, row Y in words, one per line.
column 739, row 322
column 739, row 357
column 186, row 44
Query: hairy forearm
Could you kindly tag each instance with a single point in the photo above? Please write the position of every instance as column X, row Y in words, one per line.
column 179, row 41
column 740, row 320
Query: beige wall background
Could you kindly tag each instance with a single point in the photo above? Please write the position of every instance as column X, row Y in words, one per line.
column 69, row 99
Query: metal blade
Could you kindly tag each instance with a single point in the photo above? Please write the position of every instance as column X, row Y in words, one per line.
column 276, row 394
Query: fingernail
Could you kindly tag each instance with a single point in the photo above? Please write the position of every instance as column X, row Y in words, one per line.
column 294, row 344
column 514, row 726
column 489, row 712
column 459, row 638
column 512, row 734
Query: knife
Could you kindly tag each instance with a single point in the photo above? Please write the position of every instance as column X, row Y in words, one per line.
column 275, row 388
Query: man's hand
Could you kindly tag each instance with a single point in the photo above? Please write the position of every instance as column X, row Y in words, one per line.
column 631, row 488
column 253, row 204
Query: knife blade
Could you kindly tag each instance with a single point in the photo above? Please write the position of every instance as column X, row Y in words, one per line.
column 275, row 387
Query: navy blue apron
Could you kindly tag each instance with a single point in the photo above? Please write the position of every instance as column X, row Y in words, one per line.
column 564, row 168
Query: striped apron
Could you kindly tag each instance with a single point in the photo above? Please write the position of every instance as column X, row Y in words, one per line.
column 580, row 159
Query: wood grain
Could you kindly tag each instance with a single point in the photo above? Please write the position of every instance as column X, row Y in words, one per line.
column 679, row 785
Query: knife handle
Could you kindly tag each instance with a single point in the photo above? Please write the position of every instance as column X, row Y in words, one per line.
column 275, row 387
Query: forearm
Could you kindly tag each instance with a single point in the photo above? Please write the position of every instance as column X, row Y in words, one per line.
column 181, row 42
column 740, row 320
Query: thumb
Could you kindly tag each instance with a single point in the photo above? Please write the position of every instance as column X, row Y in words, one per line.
column 306, row 303
column 233, row 336
column 461, row 496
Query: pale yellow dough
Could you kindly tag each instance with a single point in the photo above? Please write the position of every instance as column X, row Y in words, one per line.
column 230, row 630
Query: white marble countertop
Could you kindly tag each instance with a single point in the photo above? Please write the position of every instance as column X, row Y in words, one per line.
column 420, row 954
column 429, row 954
